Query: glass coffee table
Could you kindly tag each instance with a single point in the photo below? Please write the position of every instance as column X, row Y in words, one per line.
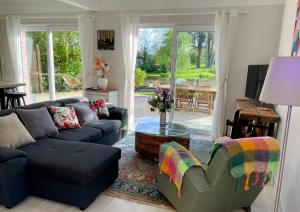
column 150, row 135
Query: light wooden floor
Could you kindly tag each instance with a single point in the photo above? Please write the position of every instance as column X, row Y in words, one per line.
column 105, row 203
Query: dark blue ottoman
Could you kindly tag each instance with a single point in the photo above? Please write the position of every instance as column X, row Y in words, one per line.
column 69, row 171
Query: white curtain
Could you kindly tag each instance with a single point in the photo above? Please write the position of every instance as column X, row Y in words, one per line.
column 10, row 53
column 226, row 25
column 86, row 39
column 129, row 26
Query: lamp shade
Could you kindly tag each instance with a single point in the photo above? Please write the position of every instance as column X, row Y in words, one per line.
column 282, row 83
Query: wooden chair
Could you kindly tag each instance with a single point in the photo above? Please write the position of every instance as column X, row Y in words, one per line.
column 182, row 97
column 72, row 82
column 202, row 101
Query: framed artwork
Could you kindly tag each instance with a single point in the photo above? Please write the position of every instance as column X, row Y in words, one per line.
column 296, row 35
column 106, row 39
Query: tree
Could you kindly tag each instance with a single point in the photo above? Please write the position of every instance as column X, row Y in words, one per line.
column 184, row 41
column 198, row 39
column 140, row 76
column 210, row 53
column 163, row 55
column 144, row 45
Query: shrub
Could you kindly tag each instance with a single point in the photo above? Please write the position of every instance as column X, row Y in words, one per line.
column 140, row 76
column 164, row 75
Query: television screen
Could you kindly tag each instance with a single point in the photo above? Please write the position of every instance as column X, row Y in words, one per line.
column 255, row 80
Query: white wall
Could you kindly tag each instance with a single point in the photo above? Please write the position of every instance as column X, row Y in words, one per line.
column 257, row 41
column 291, row 189
column 111, row 20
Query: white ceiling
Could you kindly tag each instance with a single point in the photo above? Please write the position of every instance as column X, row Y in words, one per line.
column 50, row 6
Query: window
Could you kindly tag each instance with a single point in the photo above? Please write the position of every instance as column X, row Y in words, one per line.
column 51, row 63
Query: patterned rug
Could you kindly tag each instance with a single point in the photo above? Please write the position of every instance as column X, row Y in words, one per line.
column 137, row 175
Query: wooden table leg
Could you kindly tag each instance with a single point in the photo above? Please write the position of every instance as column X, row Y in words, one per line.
column 271, row 129
column 2, row 99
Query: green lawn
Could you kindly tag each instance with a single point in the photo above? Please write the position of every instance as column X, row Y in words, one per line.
column 191, row 73
column 147, row 93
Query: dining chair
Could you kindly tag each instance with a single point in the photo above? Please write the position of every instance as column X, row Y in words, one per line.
column 182, row 97
column 202, row 101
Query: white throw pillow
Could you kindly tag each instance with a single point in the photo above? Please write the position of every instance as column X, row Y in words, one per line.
column 13, row 133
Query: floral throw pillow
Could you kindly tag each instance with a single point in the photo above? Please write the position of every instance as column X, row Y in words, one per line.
column 64, row 117
column 99, row 107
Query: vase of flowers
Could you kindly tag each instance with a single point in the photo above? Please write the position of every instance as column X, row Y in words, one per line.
column 103, row 69
column 163, row 101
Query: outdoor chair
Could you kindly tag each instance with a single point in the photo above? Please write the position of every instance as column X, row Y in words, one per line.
column 182, row 97
column 202, row 101
column 71, row 82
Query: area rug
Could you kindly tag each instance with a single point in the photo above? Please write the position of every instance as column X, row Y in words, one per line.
column 137, row 174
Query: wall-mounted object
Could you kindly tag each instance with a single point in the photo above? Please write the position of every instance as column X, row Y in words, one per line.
column 106, row 39
column 296, row 34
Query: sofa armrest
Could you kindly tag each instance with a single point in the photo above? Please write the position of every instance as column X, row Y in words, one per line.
column 13, row 176
column 118, row 113
column 10, row 153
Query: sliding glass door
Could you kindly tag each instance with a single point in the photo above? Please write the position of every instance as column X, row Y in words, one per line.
column 51, row 63
column 35, row 65
column 153, row 69
column 181, row 59
column 193, row 79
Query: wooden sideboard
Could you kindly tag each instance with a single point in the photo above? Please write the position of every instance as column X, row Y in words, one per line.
column 109, row 95
column 261, row 119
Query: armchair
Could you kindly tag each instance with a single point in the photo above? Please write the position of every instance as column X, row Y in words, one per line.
column 211, row 191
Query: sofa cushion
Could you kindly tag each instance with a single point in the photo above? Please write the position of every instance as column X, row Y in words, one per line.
column 64, row 117
column 38, row 122
column 106, row 126
column 13, row 133
column 85, row 134
column 84, row 113
column 69, row 161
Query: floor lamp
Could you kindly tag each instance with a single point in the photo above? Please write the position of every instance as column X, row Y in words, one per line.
column 281, row 87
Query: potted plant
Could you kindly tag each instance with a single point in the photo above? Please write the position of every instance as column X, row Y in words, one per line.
column 163, row 101
column 103, row 69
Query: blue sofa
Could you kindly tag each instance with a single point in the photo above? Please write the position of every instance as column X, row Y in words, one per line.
column 73, row 167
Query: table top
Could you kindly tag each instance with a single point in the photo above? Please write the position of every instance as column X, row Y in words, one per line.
column 249, row 110
column 95, row 89
column 171, row 129
column 4, row 84
column 191, row 88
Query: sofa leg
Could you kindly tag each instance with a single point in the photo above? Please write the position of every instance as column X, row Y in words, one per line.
column 247, row 209
column 9, row 207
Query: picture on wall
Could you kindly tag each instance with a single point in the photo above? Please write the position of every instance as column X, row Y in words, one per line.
column 296, row 35
column 106, row 39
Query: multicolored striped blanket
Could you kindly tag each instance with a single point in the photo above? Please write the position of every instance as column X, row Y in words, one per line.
column 259, row 155
column 175, row 160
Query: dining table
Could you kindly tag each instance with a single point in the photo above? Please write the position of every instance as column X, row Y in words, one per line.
column 210, row 91
column 7, row 85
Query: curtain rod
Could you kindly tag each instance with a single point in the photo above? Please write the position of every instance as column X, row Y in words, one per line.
column 185, row 14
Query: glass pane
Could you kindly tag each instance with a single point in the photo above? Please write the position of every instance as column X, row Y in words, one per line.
column 153, row 69
column 195, row 79
column 35, row 67
column 67, row 62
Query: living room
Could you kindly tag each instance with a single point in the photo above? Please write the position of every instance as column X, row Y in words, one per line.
column 124, row 79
